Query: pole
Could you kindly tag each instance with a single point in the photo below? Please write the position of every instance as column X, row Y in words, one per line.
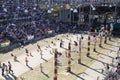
column 88, row 53
column 55, row 65
column 90, row 13
column 0, row 64
column 60, row 13
column 110, row 33
column 106, row 33
column 71, row 17
column 41, row 67
column 94, row 42
column 100, row 45
column 26, row 60
column 115, row 10
column 79, row 60
column 69, row 57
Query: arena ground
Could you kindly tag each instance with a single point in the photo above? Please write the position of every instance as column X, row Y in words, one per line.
column 33, row 71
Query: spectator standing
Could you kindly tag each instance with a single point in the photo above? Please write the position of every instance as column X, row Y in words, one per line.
column 6, row 69
column 59, row 57
column 27, row 52
column 75, row 46
column 26, row 61
column 39, row 49
column 10, row 67
column 3, row 69
column 82, row 41
column 61, row 44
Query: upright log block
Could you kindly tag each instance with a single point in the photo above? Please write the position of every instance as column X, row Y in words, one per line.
column 88, row 53
column 69, row 57
column 79, row 60
column 55, row 65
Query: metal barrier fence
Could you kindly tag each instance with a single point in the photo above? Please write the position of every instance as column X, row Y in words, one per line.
column 25, row 42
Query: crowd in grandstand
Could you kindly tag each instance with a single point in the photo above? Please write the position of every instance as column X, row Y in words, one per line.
column 35, row 26
column 10, row 9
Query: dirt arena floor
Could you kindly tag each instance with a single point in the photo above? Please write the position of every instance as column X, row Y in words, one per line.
column 47, row 72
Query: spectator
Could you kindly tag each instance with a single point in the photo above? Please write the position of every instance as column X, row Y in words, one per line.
column 3, row 69
column 10, row 67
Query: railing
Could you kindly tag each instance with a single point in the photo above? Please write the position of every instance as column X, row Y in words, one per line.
column 25, row 42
